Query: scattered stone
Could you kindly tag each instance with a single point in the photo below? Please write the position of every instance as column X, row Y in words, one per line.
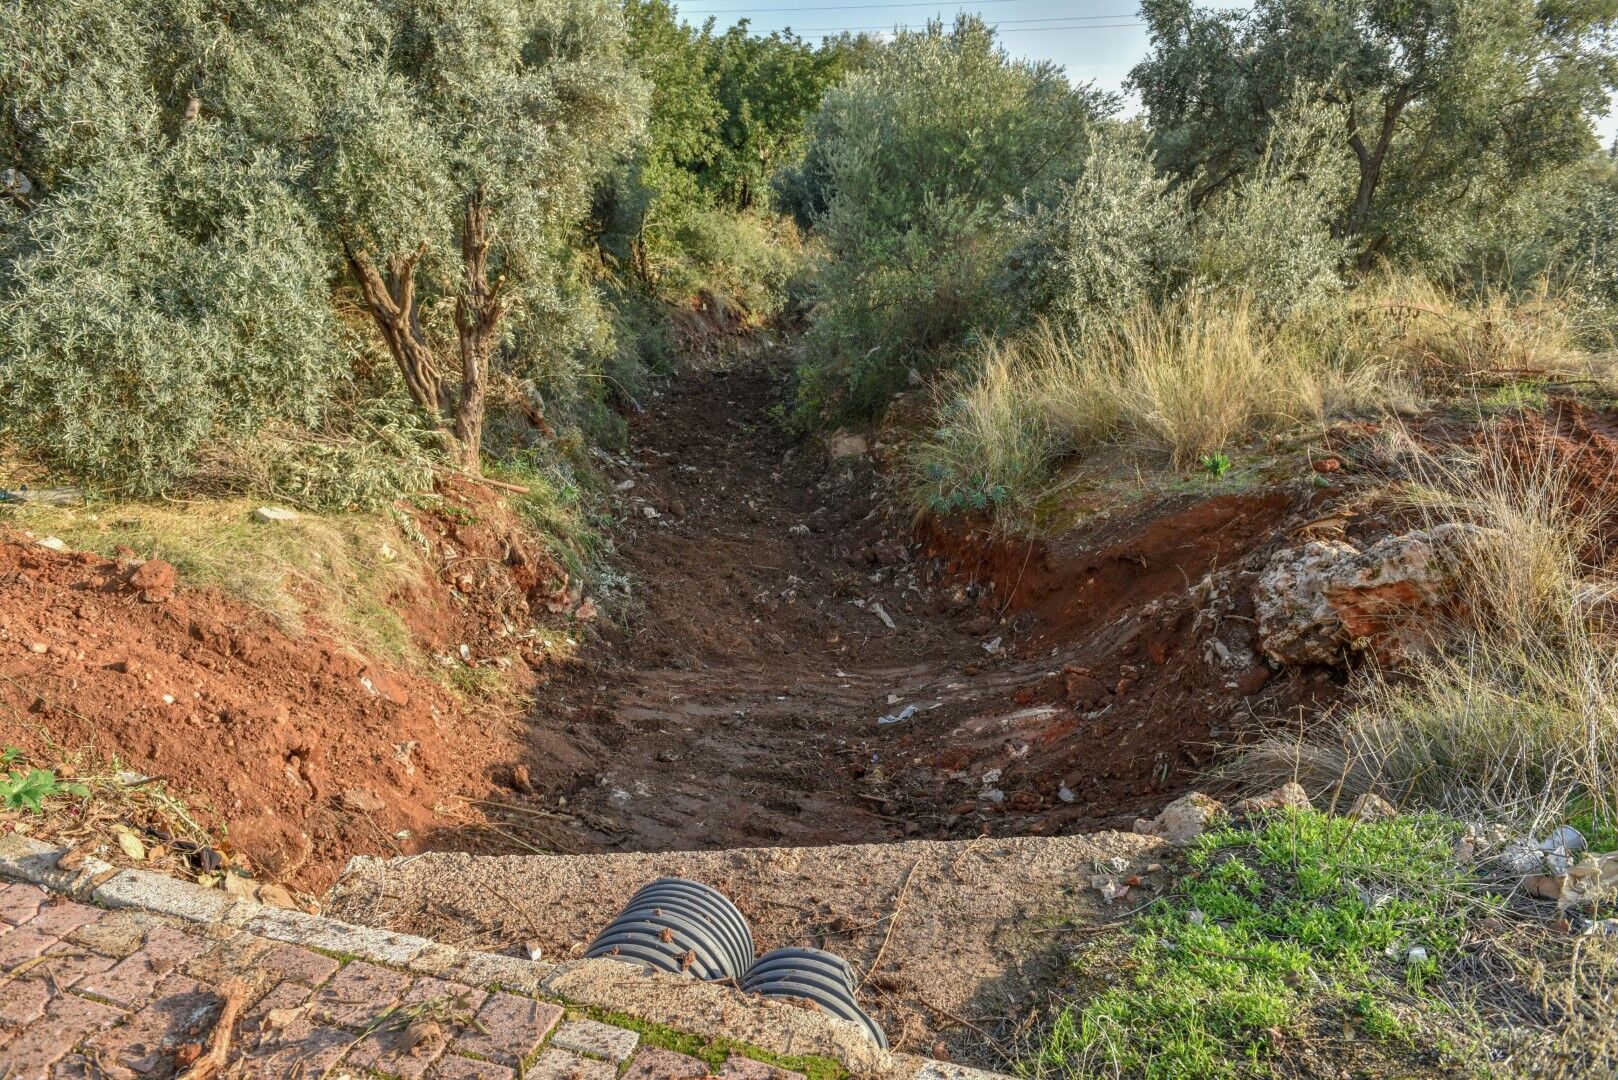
column 1372, row 807
column 51, row 543
column 843, row 444
column 1320, row 601
column 1182, row 820
column 1289, row 795
column 156, row 580
column 362, row 800
column 520, row 780
column 276, row 896
column 271, row 515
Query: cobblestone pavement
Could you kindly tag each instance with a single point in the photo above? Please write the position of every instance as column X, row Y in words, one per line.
column 87, row 994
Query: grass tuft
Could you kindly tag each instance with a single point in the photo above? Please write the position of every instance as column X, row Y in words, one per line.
column 1299, row 924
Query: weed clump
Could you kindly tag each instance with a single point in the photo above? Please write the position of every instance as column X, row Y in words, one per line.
column 1298, row 928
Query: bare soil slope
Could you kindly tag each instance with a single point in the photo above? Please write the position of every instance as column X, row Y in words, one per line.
column 784, row 607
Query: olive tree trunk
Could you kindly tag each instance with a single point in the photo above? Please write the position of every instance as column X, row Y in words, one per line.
column 390, row 296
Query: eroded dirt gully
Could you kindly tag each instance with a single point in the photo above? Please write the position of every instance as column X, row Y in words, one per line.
column 784, row 604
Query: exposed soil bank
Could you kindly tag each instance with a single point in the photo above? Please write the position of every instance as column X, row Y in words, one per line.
column 781, row 608
column 784, row 606
column 302, row 751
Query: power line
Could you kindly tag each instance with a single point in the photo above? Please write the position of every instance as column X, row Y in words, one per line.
column 825, row 31
column 874, row 7
column 1002, row 22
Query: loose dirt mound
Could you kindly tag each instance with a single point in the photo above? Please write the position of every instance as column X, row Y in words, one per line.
column 798, row 670
column 304, row 752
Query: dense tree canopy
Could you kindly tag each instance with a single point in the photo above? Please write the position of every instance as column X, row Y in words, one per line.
column 200, row 176
column 1442, row 106
column 914, row 160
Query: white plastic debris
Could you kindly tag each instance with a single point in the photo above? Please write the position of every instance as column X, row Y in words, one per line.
column 899, row 717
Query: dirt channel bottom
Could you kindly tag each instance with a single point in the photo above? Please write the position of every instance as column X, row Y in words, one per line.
column 958, row 943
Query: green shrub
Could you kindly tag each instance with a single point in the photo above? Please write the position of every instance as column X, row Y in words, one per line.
column 920, row 153
column 127, row 343
column 1110, row 240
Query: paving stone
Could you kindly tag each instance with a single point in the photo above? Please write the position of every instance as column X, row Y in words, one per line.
column 282, row 995
column 182, row 1010
column 653, row 1063
column 737, row 1067
column 597, row 1039
column 556, row 1064
column 63, row 917
column 69, row 964
column 231, row 956
column 300, row 965
column 117, row 933
column 20, row 902
column 451, row 1067
column 470, row 998
column 511, row 972
column 392, row 1053
column 133, row 979
column 22, row 1003
column 358, row 993
column 157, row 892
column 22, row 945
column 300, row 1051
column 513, row 1027
column 436, row 959
column 297, row 928
column 51, row 1038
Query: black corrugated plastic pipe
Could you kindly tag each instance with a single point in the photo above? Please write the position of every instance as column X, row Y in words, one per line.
column 814, row 975
column 680, row 926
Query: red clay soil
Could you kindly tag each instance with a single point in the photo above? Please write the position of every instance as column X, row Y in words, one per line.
column 304, row 752
column 784, row 606
column 781, row 610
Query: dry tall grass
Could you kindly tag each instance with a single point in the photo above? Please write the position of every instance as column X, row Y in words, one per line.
column 1513, row 714
column 1176, row 383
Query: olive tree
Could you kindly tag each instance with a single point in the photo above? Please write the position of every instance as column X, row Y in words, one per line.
column 1442, row 108
column 920, row 153
column 453, row 163
column 188, row 184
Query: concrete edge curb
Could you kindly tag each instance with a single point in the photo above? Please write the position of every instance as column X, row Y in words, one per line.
column 687, row 1005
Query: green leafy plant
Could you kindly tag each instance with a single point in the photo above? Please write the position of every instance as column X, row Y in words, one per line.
column 27, row 789
column 1217, row 464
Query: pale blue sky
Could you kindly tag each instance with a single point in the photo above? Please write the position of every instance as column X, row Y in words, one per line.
column 1095, row 40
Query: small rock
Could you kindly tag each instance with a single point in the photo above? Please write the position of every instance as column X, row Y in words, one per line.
column 39, row 647
column 271, row 515
column 1253, row 680
column 1372, row 807
column 650, row 513
column 843, row 444
column 1182, row 820
column 362, row 800
column 52, row 543
column 276, row 896
column 520, row 780
column 1288, row 795
column 156, row 580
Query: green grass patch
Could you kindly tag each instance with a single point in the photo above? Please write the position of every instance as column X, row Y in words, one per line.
column 1296, row 928
column 714, row 1050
